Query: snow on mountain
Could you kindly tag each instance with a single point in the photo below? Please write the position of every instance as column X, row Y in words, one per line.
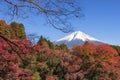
column 76, row 38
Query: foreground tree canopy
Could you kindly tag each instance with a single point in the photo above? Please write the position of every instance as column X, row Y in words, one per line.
column 25, row 61
column 57, row 12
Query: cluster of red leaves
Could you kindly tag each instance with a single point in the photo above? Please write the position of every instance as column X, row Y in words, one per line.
column 18, row 56
column 10, row 61
column 99, row 62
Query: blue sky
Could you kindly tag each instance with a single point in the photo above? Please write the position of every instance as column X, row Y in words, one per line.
column 101, row 20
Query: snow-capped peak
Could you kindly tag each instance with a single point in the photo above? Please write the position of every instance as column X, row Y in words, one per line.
column 78, row 35
column 76, row 38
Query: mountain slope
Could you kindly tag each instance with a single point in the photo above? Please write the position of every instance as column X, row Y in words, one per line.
column 76, row 38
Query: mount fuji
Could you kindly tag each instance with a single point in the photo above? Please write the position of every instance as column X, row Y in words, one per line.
column 77, row 38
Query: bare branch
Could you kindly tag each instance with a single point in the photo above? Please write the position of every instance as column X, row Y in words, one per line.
column 57, row 9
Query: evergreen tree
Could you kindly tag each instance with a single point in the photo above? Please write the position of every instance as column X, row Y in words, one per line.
column 44, row 42
column 63, row 47
column 117, row 48
column 51, row 45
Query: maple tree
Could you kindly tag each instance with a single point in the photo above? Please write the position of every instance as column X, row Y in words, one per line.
column 10, row 62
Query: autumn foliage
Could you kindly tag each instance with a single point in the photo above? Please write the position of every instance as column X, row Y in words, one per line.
column 11, row 64
column 100, row 62
column 21, row 60
column 12, row 31
column 35, row 62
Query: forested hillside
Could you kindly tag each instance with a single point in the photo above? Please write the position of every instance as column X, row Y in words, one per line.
column 21, row 60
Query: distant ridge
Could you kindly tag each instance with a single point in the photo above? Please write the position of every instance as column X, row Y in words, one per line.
column 76, row 38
